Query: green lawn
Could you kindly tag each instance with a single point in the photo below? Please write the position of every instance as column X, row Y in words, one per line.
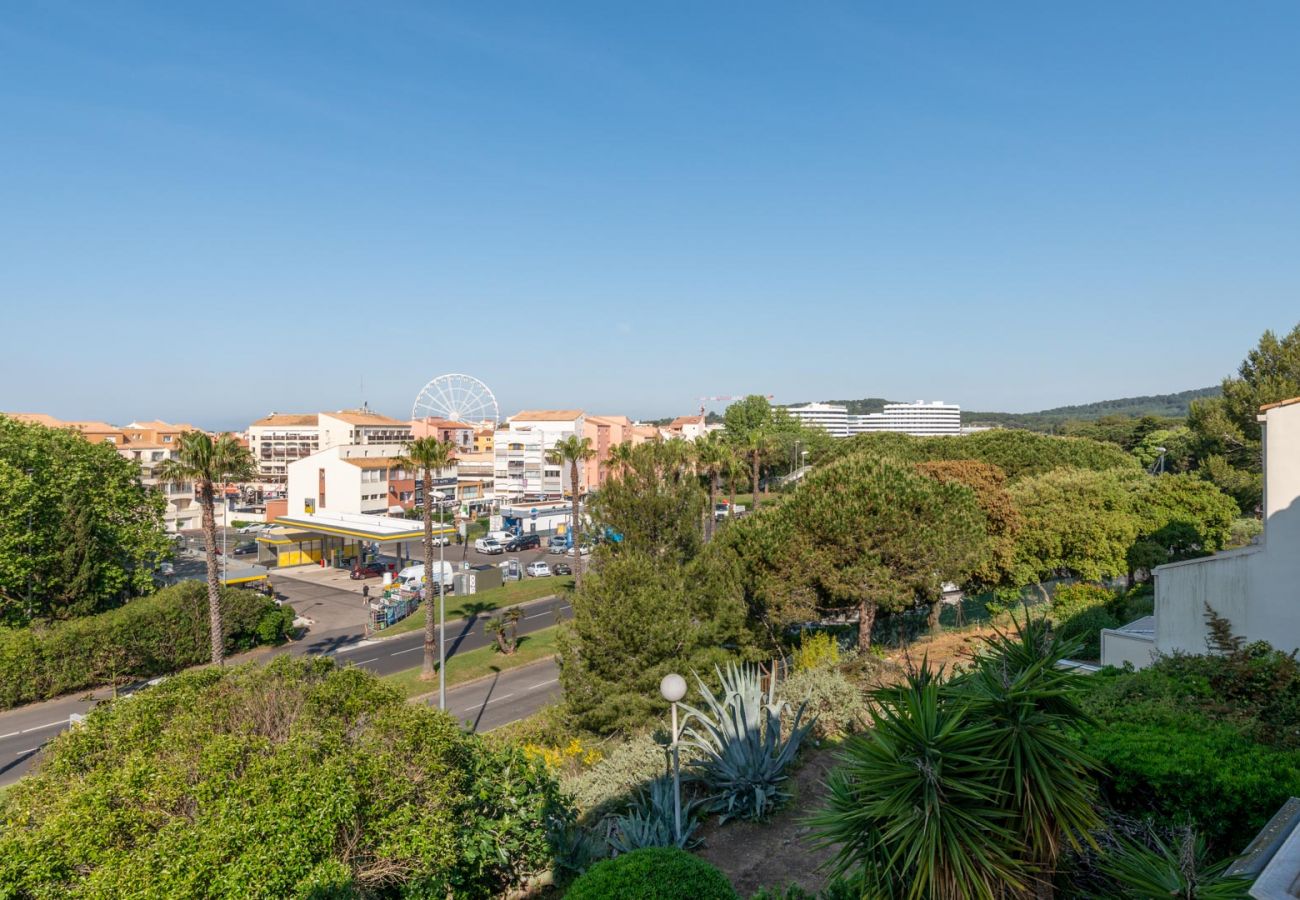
column 509, row 594
column 476, row 663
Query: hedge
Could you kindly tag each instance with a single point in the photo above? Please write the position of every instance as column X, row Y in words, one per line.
column 155, row 635
column 657, row 873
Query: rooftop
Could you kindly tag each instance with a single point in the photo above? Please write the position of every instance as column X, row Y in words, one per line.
column 365, row 417
column 1279, row 403
column 288, row 419
column 545, row 415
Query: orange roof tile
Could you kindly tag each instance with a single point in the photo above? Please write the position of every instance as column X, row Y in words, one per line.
column 357, row 417
column 288, row 419
column 546, row 415
column 1279, row 403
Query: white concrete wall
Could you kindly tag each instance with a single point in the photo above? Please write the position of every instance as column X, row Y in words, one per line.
column 1118, row 648
column 1256, row 588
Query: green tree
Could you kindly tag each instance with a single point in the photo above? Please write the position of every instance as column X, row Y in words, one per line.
column 638, row 617
column 861, row 534
column 79, row 533
column 746, row 416
column 294, row 779
column 208, row 464
column 429, row 456
column 712, row 454
column 652, row 503
column 573, row 451
column 1269, row 373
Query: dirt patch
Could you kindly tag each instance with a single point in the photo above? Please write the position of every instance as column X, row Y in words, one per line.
column 779, row 851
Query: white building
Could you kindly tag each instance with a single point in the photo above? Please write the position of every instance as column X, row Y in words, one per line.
column 920, row 419
column 282, row 438
column 520, row 446
column 832, row 419
column 1256, row 588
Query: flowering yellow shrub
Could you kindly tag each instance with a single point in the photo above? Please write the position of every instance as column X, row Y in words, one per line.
column 573, row 756
column 816, row 649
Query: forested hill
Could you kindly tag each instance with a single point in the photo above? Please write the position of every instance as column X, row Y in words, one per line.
column 1169, row 405
column 1163, row 405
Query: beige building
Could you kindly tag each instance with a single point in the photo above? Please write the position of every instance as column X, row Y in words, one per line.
column 279, row 439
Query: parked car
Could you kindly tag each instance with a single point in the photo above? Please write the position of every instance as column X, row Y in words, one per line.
column 562, row 568
column 413, row 576
column 524, row 542
column 557, row 544
column 244, row 548
column 538, row 569
column 252, row 528
column 584, row 549
column 441, row 540
column 489, row 545
column 366, row 570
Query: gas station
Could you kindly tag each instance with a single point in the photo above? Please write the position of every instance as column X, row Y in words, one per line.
column 339, row 540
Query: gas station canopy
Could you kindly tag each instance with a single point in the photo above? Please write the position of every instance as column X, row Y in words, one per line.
column 380, row 529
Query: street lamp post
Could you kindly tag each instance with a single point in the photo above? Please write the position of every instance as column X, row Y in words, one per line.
column 673, row 688
column 442, row 613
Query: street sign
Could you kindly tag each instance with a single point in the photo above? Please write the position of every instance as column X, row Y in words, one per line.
column 534, row 512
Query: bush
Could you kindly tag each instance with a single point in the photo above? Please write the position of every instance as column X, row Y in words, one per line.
column 838, row 706
column 618, row 775
column 1080, row 612
column 150, row 636
column 816, row 649
column 1207, row 739
column 294, row 779
column 662, row 873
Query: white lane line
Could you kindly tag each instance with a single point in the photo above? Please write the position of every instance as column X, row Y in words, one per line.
column 47, row 725
column 357, row 646
column 9, row 735
column 362, row 662
column 533, row 687
column 407, row 650
column 25, row 752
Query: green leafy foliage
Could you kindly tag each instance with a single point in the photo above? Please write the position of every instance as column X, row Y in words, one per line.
column 966, row 788
column 1158, row 869
column 835, row 706
column 743, row 754
column 650, row 821
column 653, row 502
column 1080, row 611
column 1214, row 740
column 653, row 874
column 154, row 635
column 816, row 649
column 78, row 531
column 293, row 779
column 636, row 618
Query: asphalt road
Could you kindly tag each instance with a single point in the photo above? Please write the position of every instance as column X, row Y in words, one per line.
column 483, row 705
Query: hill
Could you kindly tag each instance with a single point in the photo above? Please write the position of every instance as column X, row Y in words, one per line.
column 1162, row 405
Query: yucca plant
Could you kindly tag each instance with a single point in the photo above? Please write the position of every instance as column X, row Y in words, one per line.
column 915, row 807
column 1176, row 870
column 743, row 755
column 648, row 822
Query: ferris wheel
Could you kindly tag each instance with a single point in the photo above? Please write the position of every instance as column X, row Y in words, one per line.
column 457, row 398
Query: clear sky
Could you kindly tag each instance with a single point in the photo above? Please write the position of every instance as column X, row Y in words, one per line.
column 212, row 211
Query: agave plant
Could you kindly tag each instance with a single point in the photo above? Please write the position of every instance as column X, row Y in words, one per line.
column 743, row 756
column 1175, row 869
column 648, row 822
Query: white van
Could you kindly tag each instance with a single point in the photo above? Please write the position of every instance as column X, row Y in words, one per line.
column 489, row 545
column 412, row 576
column 501, row 537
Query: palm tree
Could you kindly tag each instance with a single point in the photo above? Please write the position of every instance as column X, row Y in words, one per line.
column 206, row 463
column 735, row 469
column 620, row 457
column 428, row 455
column 711, row 454
column 757, row 445
column 573, row 450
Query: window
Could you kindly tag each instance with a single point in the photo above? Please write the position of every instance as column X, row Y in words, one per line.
column 167, row 438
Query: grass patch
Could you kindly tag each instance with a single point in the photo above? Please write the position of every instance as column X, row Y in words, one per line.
column 476, row 663
column 510, row 594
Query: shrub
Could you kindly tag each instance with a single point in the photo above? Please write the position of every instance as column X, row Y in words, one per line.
column 743, row 756
column 298, row 778
column 616, row 777
column 663, row 873
column 838, row 707
column 155, row 635
column 1080, row 612
column 1174, row 869
column 816, row 649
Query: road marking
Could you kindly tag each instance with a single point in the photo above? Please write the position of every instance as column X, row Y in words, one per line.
column 25, row 752
column 47, row 725
column 533, row 687
column 364, row 661
column 9, row 735
column 357, row 646
column 407, row 650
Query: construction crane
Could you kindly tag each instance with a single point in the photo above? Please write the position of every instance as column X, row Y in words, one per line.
column 704, row 400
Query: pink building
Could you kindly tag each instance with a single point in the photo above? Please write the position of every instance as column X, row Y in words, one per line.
column 606, row 432
column 459, row 433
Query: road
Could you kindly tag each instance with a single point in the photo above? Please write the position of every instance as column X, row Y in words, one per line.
column 25, row 730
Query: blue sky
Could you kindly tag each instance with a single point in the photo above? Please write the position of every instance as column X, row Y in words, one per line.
column 212, row 211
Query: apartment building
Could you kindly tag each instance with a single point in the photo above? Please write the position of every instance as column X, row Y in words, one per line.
column 458, row 433
column 475, row 485
column 359, row 479
column 147, row 444
column 830, row 417
column 279, row 439
column 521, row 469
column 921, row 419
column 605, row 433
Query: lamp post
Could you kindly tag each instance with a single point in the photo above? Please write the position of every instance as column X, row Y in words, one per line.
column 673, row 689
column 442, row 611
